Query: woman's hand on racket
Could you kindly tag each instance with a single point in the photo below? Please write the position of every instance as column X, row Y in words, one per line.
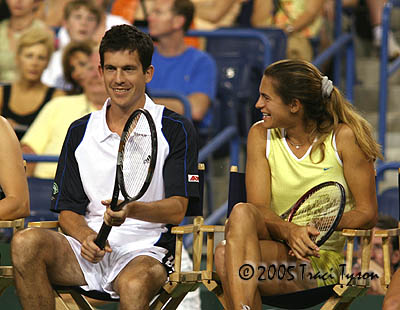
column 114, row 218
column 91, row 252
column 300, row 243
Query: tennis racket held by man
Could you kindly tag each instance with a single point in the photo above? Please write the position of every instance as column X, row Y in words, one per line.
column 136, row 161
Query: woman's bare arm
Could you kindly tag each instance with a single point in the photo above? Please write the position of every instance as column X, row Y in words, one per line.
column 12, row 175
column 360, row 177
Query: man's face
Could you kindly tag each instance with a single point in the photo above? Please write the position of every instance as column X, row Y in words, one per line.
column 124, row 78
column 162, row 20
column 81, row 24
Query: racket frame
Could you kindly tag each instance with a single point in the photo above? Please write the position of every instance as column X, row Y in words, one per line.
column 119, row 184
column 153, row 158
column 288, row 215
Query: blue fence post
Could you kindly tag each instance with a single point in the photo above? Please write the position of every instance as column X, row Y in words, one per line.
column 383, row 76
column 337, row 34
column 350, row 71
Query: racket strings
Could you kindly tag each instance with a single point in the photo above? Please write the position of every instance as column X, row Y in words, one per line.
column 320, row 210
column 137, row 155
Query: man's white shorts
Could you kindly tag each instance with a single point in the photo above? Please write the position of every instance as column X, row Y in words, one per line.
column 100, row 276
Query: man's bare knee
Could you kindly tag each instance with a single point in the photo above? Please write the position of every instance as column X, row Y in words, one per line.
column 146, row 278
column 26, row 246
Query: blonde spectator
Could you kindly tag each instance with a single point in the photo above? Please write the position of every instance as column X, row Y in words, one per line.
column 47, row 133
column 13, row 185
column 22, row 19
column 21, row 101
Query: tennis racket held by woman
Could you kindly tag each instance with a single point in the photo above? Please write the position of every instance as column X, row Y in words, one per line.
column 322, row 207
column 136, row 161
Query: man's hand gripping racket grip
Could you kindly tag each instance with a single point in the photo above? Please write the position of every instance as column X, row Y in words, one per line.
column 104, row 231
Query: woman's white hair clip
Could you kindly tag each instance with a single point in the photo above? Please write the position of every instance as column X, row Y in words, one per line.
column 327, row 87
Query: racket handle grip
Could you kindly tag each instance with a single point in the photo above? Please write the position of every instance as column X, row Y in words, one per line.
column 102, row 236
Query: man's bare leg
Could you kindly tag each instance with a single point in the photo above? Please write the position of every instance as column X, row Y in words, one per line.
column 41, row 257
column 139, row 282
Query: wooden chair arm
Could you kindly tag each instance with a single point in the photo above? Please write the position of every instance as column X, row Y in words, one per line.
column 357, row 232
column 15, row 224
column 44, row 224
column 212, row 228
column 184, row 229
column 387, row 233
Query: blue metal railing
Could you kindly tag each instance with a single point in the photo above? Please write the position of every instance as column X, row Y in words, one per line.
column 386, row 70
column 345, row 40
column 238, row 33
column 381, row 169
column 40, row 158
column 174, row 95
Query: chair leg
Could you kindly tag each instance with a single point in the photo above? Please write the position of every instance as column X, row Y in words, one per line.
column 60, row 304
column 81, row 301
column 4, row 284
column 174, row 302
column 6, row 278
column 344, row 297
column 160, row 301
column 216, row 289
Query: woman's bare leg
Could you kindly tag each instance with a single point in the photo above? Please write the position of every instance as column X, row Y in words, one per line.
column 250, row 251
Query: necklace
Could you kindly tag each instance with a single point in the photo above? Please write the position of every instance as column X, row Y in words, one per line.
column 297, row 146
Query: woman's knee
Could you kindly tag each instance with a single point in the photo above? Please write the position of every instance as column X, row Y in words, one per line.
column 243, row 217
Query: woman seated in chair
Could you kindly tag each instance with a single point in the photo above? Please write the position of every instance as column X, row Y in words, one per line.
column 309, row 134
column 14, row 195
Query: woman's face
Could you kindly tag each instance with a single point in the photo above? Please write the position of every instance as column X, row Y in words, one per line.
column 20, row 8
column 78, row 62
column 32, row 60
column 276, row 114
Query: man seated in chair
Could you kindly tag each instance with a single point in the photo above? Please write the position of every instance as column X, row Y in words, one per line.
column 182, row 69
column 139, row 254
column 308, row 134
